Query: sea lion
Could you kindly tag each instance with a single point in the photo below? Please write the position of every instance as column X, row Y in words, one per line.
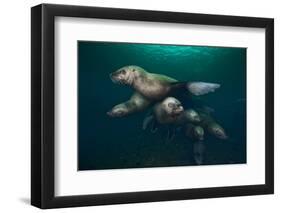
column 171, row 111
column 168, row 111
column 212, row 126
column 156, row 86
column 194, row 132
column 136, row 103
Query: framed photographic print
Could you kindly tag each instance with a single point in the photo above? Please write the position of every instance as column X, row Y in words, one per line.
column 139, row 106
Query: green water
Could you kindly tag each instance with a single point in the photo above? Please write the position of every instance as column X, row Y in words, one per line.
column 110, row 143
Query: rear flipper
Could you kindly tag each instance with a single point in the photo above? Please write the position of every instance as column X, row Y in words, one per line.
column 198, row 152
column 201, row 88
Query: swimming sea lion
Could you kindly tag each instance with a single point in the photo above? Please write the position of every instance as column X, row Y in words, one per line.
column 171, row 111
column 208, row 122
column 156, row 86
column 168, row 111
column 194, row 132
column 136, row 103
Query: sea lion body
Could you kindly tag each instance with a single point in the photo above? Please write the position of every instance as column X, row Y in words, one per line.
column 196, row 134
column 156, row 86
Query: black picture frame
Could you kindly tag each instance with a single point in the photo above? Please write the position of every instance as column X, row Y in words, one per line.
column 43, row 113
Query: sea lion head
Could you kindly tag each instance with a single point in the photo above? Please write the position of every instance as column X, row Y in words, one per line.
column 218, row 131
column 199, row 133
column 126, row 75
column 118, row 111
column 192, row 116
column 172, row 106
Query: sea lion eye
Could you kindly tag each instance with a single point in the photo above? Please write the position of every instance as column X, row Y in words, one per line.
column 171, row 105
column 123, row 72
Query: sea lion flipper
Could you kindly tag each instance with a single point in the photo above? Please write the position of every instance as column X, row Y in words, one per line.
column 150, row 122
column 147, row 121
column 136, row 103
column 201, row 88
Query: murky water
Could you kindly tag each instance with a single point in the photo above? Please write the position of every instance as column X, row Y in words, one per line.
column 109, row 143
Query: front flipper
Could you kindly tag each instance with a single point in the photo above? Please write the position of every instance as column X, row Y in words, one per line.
column 136, row 103
column 201, row 88
column 147, row 121
column 150, row 122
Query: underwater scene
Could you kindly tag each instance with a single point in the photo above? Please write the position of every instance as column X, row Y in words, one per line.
column 160, row 105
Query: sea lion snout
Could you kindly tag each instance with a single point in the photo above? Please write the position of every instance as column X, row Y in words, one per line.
column 218, row 131
column 199, row 133
column 113, row 74
column 178, row 109
column 121, row 76
column 109, row 113
column 115, row 77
